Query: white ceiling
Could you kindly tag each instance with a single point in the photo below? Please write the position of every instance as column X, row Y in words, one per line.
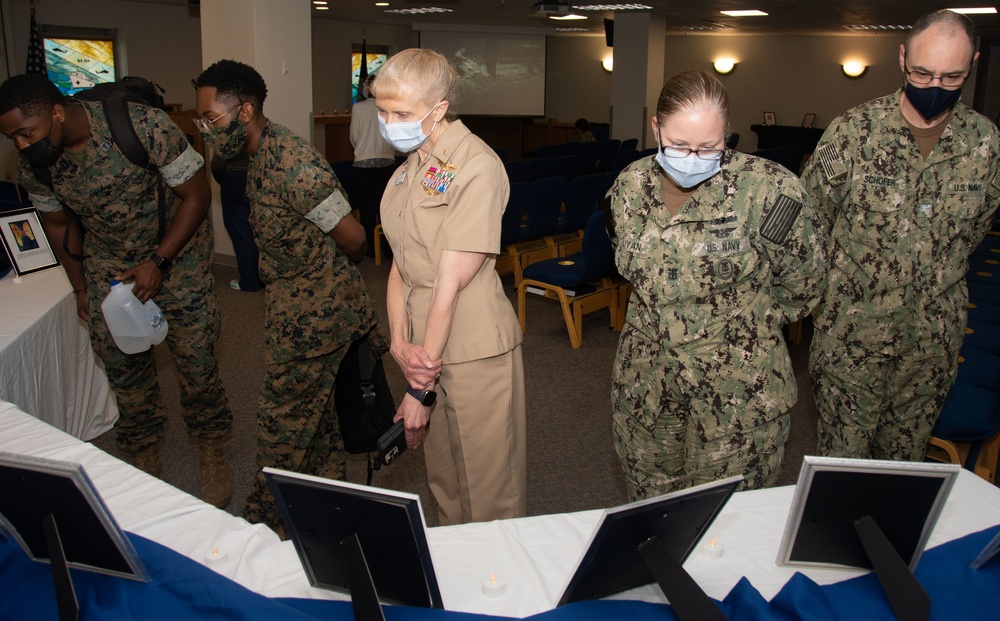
column 784, row 16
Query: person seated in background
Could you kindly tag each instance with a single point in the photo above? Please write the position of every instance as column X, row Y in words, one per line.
column 316, row 301
column 231, row 175
column 723, row 250
column 582, row 132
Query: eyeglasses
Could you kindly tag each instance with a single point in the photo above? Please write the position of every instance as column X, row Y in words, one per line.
column 207, row 124
column 922, row 78
column 703, row 154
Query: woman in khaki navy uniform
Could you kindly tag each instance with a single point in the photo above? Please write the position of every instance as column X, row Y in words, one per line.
column 453, row 330
column 723, row 251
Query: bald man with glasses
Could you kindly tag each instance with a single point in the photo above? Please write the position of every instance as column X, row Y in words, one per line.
column 906, row 185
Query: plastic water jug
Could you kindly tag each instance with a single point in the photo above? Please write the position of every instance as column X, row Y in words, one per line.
column 135, row 326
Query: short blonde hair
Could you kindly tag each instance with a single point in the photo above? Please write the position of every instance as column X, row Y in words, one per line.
column 417, row 74
column 690, row 89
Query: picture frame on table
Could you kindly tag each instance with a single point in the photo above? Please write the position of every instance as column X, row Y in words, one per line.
column 808, row 119
column 769, row 119
column 25, row 242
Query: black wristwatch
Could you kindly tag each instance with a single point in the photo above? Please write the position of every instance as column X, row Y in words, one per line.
column 161, row 262
column 425, row 397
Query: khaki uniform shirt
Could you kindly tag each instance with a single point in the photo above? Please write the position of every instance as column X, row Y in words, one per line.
column 901, row 228
column 117, row 200
column 316, row 300
column 454, row 201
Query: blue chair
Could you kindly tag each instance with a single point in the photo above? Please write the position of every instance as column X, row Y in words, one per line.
column 967, row 432
column 539, row 168
column 564, row 166
column 550, row 150
column 980, row 291
column 516, row 171
column 544, row 202
column 629, row 144
column 582, row 283
column 733, row 140
column 583, row 197
column 978, row 368
column 608, row 153
column 345, row 174
column 501, row 153
column 984, row 312
column 511, row 228
column 588, row 154
column 624, row 158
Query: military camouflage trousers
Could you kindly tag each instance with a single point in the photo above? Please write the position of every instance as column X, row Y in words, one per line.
column 193, row 330
column 298, row 429
column 875, row 406
column 681, row 420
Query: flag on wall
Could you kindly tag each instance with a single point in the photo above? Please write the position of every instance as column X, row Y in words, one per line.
column 36, row 52
column 363, row 70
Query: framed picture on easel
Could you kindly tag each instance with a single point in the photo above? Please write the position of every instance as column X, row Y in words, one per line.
column 808, row 119
column 24, row 241
column 769, row 118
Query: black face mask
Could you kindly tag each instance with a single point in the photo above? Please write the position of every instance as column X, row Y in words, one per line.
column 42, row 154
column 933, row 100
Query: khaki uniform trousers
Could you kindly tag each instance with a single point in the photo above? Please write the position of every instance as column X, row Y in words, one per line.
column 476, row 447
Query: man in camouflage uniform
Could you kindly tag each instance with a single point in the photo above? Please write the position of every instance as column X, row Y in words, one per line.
column 906, row 185
column 702, row 382
column 317, row 303
column 117, row 202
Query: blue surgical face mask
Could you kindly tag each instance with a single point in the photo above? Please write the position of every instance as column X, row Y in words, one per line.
column 405, row 137
column 688, row 171
column 931, row 101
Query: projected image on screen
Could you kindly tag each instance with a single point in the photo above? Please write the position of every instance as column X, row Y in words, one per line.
column 77, row 64
column 501, row 74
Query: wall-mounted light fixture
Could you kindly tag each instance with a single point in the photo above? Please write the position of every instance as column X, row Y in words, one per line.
column 724, row 65
column 608, row 63
column 854, row 69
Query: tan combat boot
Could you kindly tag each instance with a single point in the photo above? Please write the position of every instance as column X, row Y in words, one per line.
column 216, row 488
column 148, row 460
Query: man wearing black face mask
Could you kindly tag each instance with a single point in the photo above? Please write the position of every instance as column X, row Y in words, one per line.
column 907, row 185
column 117, row 202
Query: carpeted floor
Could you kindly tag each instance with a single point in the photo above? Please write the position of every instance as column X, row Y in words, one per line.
column 571, row 462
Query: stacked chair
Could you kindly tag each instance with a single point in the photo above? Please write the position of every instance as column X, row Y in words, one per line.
column 582, row 282
column 968, row 431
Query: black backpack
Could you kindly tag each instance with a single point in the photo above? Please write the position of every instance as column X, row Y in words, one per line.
column 115, row 97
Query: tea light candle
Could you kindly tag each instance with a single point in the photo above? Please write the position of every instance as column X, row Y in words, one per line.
column 493, row 586
column 215, row 557
column 712, row 549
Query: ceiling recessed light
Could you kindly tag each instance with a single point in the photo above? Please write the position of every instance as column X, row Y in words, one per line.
column 566, row 17
column 750, row 13
column 320, row 2
column 982, row 10
column 612, row 7
column 381, row 4
column 571, row 29
column 320, row 7
column 419, row 11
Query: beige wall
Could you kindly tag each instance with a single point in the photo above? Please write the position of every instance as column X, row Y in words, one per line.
column 576, row 83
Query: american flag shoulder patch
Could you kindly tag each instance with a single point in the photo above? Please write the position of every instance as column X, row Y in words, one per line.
column 833, row 164
column 779, row 220
column 994, row 189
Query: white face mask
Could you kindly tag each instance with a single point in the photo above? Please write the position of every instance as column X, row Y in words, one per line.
column 405, row 137
column 688, row 171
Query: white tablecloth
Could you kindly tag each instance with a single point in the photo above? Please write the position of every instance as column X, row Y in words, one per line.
column 535, row 556
column 47, row 366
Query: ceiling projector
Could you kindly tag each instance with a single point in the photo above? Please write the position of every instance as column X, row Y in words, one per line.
column 552, row 8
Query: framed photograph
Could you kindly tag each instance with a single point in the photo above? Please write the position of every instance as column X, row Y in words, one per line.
column 24, row 241
column 769, row 118
column 807, row 120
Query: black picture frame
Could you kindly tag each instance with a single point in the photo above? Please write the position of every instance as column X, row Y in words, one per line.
column 769, row 118
column 37, row 487
column 321, row 515
column 808, row 120
column 25, row 242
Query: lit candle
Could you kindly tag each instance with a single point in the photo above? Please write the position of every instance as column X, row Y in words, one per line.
column 493, row 586
column 215, row 557
column 712, row 549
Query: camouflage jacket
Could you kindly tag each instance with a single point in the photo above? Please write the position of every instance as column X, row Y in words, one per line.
column 316, row 300
column 741, row 258
column 117, row 200
column 901, row 228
